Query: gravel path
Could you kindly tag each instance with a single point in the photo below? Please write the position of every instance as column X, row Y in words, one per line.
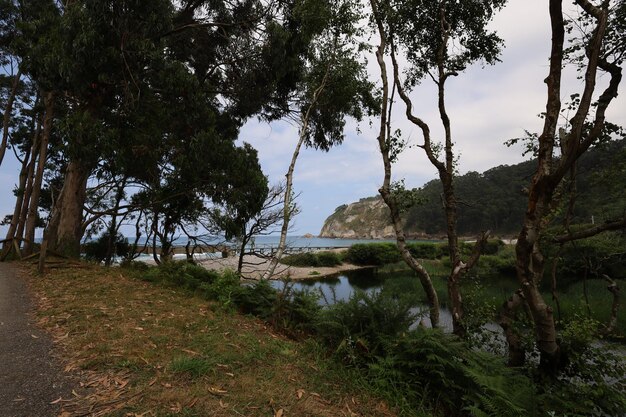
column 29, row 377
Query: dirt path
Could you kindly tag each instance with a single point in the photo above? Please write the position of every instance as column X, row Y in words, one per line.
column 30, row 379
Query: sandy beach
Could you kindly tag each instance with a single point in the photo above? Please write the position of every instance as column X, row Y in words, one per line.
column 254, row 267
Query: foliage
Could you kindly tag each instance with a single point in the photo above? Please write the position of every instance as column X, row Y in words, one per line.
column 425, row 250
column 97, row 250
column 373, row 254
column 494, row 200
column 313, row 259
column 590, row 258
column 594, row 379
column 361, row 327
column 181, row 274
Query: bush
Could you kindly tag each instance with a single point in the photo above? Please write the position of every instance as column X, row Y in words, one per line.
column 492, row 246
column 501, row 264
column 373, row 254
column 180, row 274
column 430, row 366
column 423, row 250
column 301, row 259
column 362, row 325
column 312, row 259
column 328, row 258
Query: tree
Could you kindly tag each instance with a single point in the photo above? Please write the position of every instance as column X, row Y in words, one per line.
column 244, row 226
column 426, row 38
column 332, row 86
column 598, row 50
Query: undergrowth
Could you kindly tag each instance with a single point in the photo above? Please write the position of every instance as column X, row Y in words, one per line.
column 415, row 369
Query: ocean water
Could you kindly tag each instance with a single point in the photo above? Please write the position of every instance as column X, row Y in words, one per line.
column 267, row 242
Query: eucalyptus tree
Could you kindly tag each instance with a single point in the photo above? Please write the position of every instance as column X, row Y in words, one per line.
column 330, row 86
column 154, row 90
column 439, row 40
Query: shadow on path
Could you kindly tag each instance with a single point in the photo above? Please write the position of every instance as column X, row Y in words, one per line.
column 30, row 379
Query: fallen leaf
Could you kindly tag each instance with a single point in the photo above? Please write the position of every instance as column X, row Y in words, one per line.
column 223, row 405
column 34, row 337
column 230, row 374
column 299, row 393
column 58, row 400
column 217, row 391
column 192, row 403
column 279, row 413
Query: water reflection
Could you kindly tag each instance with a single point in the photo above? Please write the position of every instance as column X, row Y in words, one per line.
column 398, row 285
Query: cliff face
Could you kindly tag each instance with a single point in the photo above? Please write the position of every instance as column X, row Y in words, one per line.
column 366, row 219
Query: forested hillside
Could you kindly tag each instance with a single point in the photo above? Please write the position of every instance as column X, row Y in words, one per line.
column 495, row 199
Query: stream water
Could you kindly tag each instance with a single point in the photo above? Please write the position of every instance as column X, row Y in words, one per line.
column 344, row 285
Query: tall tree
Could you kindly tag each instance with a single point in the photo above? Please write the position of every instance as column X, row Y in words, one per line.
column 599, row 50
column 332, row 86
column 425, row 38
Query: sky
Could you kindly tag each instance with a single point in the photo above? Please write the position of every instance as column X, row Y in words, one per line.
column 486, row 105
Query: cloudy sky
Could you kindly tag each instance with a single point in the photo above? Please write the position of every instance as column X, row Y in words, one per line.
column 487, row 106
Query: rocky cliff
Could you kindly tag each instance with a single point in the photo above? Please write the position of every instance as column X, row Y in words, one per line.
column 368, row 218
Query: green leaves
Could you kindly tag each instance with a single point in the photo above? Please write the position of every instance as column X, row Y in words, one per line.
column 426, row 30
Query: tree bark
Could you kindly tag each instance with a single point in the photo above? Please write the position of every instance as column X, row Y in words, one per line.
column 19, row 201
column 529, row 258
column 8, row 110
column 65, row 228
column 287, row 209
column 33, row 205
column 385, row 190
column 517, row 353
column 287, row 206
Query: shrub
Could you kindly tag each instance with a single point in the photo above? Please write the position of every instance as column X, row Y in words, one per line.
column 492, row 246
column 257, row 299
column 301, row 259
column 362, row 325
column 312, row 259
column 423, row 250
column 500, row 264
column 373, row 254
column 440, row 369
column 180, row 274
column 328, row 258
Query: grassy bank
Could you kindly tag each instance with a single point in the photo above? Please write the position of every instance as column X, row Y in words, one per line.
column 142, row 349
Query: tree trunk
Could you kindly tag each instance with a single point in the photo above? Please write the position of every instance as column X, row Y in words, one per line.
column 517, row 353
column 113, row 226
column 8, row 110
column 385, row 190
column 19, row 202
column 287, row 209
column 33, row 205
column 65, row 228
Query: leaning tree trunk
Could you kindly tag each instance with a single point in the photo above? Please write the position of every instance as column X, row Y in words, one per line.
column 33, row 205
column 287, row 208
column 65, row 229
